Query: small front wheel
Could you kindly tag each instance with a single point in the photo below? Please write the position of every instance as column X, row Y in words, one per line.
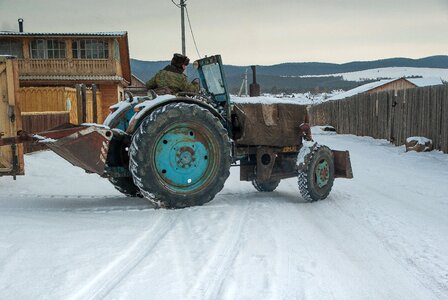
column 265, row 186
column 316, row 173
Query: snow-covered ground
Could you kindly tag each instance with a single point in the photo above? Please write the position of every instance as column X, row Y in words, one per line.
column 295, row 98
column 391, row 72
column 65, row 234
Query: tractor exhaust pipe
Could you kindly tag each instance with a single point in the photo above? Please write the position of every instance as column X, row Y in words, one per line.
column 254, row 88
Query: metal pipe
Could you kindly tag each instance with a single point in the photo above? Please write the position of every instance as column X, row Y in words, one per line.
column 254, row 74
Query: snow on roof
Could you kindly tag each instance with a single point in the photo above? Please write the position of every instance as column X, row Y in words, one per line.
column 419, row 82
column 425, row 81
column 270, row 100
column 138, row 79
column 54, row 34
column 361, row 89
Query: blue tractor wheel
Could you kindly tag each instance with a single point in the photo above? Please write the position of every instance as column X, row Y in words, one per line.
column 180, row 156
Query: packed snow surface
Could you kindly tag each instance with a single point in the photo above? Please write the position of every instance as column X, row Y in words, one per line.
column 65, row 234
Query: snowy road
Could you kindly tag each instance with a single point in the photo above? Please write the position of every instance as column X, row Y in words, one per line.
column 382, row 235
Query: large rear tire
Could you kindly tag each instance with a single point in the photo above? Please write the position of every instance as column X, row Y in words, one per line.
column 316, row 174
column 180, row 156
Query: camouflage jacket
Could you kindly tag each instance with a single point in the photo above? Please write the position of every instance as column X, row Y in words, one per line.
column 175, row 82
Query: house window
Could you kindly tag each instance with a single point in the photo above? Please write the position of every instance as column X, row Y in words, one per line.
column 9, row 47
column 90, row 49
column 116, row 51
column 47, row 49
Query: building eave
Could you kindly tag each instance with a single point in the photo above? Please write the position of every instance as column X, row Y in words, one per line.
column 63, row 34
column 71, row 78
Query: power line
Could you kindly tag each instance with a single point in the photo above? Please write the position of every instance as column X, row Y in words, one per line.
column 178, row 6
column 192, row 34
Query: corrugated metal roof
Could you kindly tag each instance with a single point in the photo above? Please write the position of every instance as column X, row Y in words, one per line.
column 72, row 77
column 63, row 34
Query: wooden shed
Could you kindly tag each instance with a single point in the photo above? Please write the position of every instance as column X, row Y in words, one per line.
column 11, row 156
column 394, row 84
column 137, row 87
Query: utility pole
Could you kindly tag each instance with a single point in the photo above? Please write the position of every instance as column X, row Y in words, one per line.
column 243, row 85
column 182, row 17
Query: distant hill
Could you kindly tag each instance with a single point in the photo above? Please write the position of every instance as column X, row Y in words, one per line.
column 277, row 78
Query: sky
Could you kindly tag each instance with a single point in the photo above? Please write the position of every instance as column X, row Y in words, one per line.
column 245, row 32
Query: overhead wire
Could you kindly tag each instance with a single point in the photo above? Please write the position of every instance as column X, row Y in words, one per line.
column 192, row 34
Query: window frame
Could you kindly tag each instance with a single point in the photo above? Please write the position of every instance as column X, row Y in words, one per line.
column 17, row 44
column 48, row 49
column 90, row 49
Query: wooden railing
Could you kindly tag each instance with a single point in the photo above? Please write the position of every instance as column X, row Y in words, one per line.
column 68, row 67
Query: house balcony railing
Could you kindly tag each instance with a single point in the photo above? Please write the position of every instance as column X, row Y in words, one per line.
column 68, row 67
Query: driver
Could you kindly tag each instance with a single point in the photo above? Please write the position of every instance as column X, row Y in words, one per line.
column 171, row 79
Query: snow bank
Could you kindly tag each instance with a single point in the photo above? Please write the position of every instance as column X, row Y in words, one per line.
column 419, row 139
column 271, row 100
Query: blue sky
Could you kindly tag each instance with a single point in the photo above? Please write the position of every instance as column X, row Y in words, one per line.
column 252, row 31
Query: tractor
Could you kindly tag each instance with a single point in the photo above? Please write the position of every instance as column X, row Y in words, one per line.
column 177, row 150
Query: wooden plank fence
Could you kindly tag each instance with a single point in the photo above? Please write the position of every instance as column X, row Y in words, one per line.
column 56, row 99
column 391, row 115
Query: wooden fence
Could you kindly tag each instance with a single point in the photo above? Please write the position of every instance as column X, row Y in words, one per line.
column 394, row 116
column 59, row 99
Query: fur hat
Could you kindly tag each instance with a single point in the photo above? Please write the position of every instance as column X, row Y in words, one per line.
column 178, row 60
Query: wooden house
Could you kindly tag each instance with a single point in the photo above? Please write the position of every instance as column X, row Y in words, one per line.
column 137, row 87
column 68, row 59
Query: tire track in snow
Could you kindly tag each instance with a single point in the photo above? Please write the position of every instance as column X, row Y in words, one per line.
column 210, row 279
column 105, row 281
column 415, row 257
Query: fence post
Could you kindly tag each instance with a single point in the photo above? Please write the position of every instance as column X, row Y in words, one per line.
column 94, row 104
column 79, row 111
column 84, row 103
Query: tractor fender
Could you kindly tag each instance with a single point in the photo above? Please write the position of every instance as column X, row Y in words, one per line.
column 119, row 109
column 144, row 109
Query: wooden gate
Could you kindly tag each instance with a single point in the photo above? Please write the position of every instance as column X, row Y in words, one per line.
column 11, row 156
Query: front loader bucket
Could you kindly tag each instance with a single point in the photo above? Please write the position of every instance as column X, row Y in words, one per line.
column 342, row 164
column 83, row 146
